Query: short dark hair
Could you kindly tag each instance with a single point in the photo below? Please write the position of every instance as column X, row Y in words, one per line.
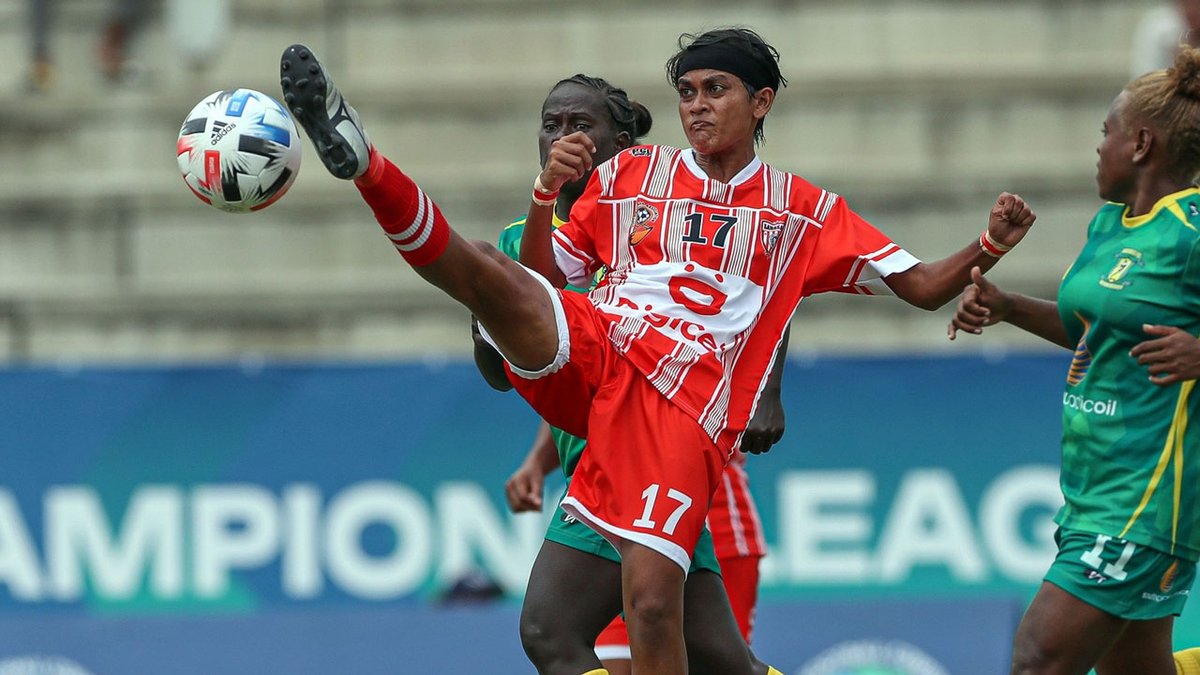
column 745, row 44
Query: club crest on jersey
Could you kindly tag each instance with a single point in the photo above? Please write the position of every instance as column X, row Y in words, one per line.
column 1117, row 277
column 770, row 235
column 644, row 216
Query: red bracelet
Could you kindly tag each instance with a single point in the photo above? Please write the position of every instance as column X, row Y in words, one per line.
column 991, row 246
column 542, row 196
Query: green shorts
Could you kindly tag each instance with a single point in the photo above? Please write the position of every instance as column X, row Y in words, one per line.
column 1126, row 580
column 566, row 530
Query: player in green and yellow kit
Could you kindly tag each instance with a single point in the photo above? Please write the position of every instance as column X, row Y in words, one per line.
column 1129, row 307
column 575, row 585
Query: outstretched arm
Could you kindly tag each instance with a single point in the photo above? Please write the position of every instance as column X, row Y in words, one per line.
column 766, row 427
column 984, row 304
column 931, row 285
column 523, row 490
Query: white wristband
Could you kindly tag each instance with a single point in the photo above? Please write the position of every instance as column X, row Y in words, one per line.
column 542, row 196
column 992, row 247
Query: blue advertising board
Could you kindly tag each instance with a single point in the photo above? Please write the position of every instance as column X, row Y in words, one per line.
column 311, row 518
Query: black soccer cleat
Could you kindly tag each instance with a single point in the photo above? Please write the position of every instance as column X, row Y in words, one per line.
column 329, row 121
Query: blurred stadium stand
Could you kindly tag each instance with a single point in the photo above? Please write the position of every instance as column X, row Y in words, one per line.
column 918, row 111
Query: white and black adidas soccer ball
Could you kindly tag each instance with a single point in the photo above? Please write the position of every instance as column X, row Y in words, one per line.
column 238, row 150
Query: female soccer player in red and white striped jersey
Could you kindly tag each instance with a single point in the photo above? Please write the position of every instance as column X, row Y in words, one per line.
column 707, row 251
column 555, row 634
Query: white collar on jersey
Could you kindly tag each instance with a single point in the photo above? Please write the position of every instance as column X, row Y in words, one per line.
column 689, row 159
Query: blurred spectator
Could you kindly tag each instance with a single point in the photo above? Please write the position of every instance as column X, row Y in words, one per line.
column 112, row 53
column 1160, row 33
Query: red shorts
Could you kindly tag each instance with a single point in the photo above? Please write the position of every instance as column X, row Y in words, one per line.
column 613, row 642
column 649, row 470
column 733, row 516
column 741, row 585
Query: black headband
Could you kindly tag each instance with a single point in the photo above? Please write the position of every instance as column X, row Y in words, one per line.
column 729, row 59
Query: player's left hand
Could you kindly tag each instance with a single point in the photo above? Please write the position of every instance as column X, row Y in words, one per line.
column 766, row 427
column 523, row 489
column 1172, row 355
column 1009, row 219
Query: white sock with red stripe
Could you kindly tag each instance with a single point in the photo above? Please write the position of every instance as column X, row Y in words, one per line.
column 409, row 217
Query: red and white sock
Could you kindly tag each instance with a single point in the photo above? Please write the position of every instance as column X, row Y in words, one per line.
column 409, row 217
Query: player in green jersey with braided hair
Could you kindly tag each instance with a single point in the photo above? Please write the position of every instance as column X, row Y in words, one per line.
column 1129, row 307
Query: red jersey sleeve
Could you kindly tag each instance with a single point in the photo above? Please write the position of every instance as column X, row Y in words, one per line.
column 575, row 241
column 852, row 256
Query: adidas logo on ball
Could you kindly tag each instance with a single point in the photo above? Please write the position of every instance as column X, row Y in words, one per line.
column 220, row 129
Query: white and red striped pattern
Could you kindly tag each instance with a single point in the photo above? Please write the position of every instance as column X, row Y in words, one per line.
column 733, row 517
column 417, row 232
column 695, row 297
column 407, row 215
